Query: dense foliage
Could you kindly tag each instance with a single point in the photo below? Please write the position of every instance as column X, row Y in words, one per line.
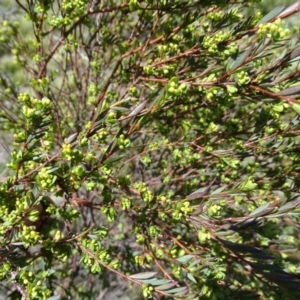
column 154, row 141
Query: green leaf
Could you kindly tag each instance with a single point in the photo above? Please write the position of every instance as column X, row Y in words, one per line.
column 119, row 108
column 54, row 298
column 294, row 90
column 177, row 290
column 289, row 206
column 262, row 210
column 113, row 159
column 252, row 251
column 145, row 275
column 195, row 262
column 138, row 109
column 296, row 108
column 167, row 286
column 236, row 61
column 191, row 277
column 185, row 258
column 219, row 190
column 295, row 55
column 72, row 138
column 271, row 15
column 154, row 281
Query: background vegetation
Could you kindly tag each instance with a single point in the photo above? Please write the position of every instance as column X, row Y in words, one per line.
column 150, row 150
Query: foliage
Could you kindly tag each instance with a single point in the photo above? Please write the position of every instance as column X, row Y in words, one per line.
column 153, row 140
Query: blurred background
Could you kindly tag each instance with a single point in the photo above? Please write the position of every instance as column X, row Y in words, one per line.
column 267, row 5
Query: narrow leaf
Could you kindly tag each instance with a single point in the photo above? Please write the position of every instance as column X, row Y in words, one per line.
column 219, row 190
column 197, row 194
column 119, row 108
column 296, row 108
column 271, row 15
column 297, row 58
column 185, row 258
column 295, row 54
column 201, row 192
column 166, row 286
column 176, row 290
column 113, row 159
column 138, row 109
column 234, row 63
column 72, row 138
column 262, row 210
column 146, row 275
column 154, row 281
column 191, row 277
column 290, row 91
column 54, row 298
column 253, row 252
column 289, row 206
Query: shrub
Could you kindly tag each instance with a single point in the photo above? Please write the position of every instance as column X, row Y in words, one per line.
column 153, row 140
